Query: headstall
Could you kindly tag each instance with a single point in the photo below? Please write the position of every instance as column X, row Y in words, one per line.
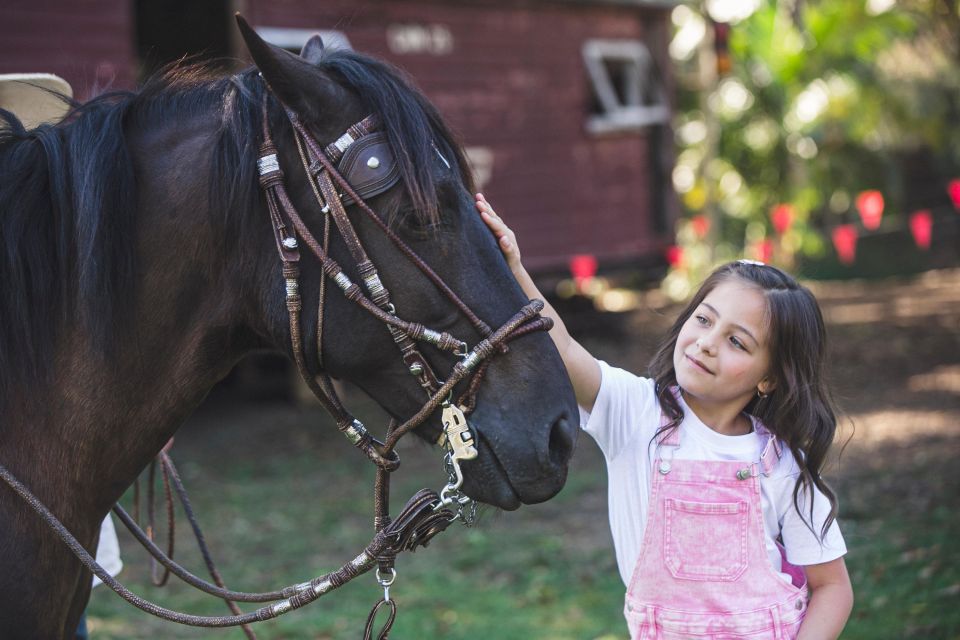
column 356, row 166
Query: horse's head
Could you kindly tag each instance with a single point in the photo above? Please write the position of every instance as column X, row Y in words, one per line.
column 525, row 417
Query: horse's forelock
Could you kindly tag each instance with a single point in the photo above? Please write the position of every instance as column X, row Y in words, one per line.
column 412, row 124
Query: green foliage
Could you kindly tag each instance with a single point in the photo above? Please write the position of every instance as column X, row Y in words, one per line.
column 822, row 103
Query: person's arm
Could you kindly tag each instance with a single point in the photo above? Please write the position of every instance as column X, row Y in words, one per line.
column 830, row 602
column 583, row 368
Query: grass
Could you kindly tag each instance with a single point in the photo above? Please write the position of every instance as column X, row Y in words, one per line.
column 283, row 498
column 281, row 504
column 281, row 501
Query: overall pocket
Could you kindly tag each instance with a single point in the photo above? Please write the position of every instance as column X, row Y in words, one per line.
column 705, row 540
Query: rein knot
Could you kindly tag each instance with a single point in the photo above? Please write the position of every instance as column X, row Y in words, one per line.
column 418, row 522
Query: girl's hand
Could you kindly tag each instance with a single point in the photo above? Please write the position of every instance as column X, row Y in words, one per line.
column 506, row 238
column 583, row 369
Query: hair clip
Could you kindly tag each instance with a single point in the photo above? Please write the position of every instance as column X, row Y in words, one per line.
column 755, row 263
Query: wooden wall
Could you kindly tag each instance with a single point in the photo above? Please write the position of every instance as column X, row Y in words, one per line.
column 89, row 43
column 508, row 75
column 511, row 80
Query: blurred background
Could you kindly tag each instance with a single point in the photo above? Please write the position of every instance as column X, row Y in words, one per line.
column 632, row 145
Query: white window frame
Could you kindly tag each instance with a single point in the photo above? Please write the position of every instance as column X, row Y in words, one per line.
column 645, row 101
column 294, row 39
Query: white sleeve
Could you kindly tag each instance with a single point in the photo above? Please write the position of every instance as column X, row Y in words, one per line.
column 802, row 545
column 617, row 413
column 108, row 550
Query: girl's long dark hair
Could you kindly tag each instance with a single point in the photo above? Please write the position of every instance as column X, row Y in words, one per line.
column 799, row 410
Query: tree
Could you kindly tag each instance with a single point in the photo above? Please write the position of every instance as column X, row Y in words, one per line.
column 823, row 100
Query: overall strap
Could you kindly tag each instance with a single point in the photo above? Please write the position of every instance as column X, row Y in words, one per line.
column 772, row 449
column 670, row 438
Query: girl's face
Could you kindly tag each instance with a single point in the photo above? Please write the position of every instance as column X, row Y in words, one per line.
column 721, row 357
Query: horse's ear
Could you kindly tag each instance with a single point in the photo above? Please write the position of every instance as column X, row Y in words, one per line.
column 294, row 80
column 312, row 52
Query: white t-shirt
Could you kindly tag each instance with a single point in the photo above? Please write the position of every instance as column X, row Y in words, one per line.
column 625, row 418
column 108, row 550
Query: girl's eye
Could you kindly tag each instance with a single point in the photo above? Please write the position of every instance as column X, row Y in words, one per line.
column 738, row 344
column 702, row 319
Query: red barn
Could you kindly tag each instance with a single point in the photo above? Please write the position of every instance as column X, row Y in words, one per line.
column 563, row 105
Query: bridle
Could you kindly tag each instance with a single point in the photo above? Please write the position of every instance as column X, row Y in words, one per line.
column 373, row 152
column 363, row 145
column 290, row 230
column 364, row 155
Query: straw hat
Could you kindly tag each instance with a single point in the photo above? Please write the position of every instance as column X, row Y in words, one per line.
column 29, row 97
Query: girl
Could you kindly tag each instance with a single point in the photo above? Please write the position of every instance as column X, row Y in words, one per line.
column 721, row 523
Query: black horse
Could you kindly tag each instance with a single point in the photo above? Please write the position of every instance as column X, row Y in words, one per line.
column 138, row 265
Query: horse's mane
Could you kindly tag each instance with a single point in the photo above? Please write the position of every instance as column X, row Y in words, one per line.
column 68, row 194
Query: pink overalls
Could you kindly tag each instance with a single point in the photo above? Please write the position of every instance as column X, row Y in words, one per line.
column 703, row 571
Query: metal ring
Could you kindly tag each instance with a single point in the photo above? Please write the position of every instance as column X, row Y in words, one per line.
column 386, row 582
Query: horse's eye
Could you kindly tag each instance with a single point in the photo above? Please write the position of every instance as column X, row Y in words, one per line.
column 419, row 226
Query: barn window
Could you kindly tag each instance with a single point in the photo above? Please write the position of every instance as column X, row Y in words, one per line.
column 627, row 90
column 294, row 39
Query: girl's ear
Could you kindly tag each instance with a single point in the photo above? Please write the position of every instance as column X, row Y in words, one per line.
column 766, row 387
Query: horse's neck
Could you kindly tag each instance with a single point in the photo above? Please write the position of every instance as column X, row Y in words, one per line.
column 107, row 414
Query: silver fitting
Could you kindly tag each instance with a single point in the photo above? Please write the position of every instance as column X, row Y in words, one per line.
column 290, row 243
column 470, row 360
column 355, row 431
column 374, row 286
column 342, row 281
column 416, row 368
column 373, row 162
column 268, row 164
column 281, row 607
column 343, row 142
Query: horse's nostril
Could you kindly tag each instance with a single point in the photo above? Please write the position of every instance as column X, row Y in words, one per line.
column 563, row 435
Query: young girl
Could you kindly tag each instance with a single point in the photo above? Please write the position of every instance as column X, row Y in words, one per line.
column 721, row 523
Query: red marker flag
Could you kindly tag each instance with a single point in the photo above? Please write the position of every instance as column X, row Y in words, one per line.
column 582, row 268
column 921, row 226
column 870, row 206
column 953, row 188
column 782, row 217
column 845, row 242
column 674, row 255
column 700, row 225
column 762, row 250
